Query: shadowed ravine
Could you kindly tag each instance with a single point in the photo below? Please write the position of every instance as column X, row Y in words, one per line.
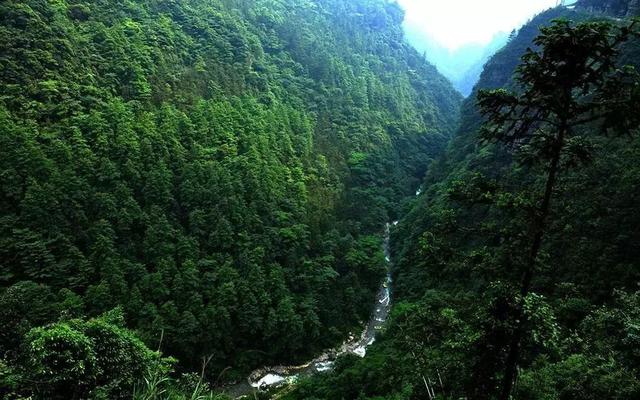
column 270, row 377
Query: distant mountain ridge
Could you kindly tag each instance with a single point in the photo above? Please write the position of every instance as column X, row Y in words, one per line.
column 463, row 65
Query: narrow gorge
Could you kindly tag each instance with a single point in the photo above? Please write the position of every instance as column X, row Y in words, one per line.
column 194, row 197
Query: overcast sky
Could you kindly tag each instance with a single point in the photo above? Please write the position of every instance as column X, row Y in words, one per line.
column 454, row 23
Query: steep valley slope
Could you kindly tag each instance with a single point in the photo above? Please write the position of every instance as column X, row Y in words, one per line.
column 212, row 177
column 453, row 272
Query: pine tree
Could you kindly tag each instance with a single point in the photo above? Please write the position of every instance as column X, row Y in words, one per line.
column 572, row 81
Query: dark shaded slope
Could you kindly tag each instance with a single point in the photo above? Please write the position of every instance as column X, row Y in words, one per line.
column 454, row 275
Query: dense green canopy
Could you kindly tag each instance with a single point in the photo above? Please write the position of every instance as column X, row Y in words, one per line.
column 221, row 170
column 210, row 179
column 462, row 251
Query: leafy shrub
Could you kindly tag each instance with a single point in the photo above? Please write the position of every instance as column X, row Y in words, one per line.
column 97, row 358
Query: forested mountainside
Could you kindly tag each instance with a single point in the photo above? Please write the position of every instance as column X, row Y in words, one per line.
column 210, row 178
column 458, row 258
column 191, row 189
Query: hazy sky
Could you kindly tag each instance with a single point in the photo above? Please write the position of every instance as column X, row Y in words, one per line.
column 454, row 23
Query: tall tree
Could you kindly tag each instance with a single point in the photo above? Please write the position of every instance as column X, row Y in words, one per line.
column 569, row 82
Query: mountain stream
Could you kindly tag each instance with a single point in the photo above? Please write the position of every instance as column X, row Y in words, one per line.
column 270, row 377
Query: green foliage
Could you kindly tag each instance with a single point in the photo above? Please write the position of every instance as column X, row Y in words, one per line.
column 571, row 80
column 61, row 360
column 97, row 358
column 460, row 251
column 158, row 385
column 220, row 170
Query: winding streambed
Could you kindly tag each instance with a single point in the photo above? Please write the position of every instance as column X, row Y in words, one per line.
column 266, row 378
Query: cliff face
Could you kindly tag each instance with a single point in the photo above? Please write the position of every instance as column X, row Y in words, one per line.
column 621, row 8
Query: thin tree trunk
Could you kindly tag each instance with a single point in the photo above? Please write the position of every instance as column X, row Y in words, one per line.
column 426, row 385
column 433, row 388
column 440, row 380
column 538, row 228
